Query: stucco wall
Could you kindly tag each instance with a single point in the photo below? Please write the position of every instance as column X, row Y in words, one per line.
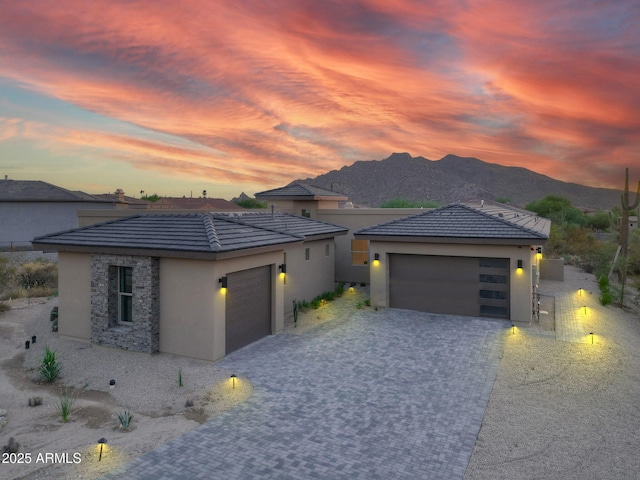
column 355, row 219
column 74, row 291
column 521, row 288
column 22, row 221
column 552, row 269
column 306, row 279
column 192, row 304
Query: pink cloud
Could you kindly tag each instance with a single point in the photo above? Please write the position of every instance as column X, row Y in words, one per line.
column 268, row 93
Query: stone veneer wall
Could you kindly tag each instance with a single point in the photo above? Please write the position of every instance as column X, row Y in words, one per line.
column 143, row 335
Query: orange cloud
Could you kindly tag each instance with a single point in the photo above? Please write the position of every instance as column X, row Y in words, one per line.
column 250, row 92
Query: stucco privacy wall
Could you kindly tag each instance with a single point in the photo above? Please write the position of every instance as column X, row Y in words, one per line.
column 74, row 290
column 355, row 219
column 552, row 269
column 306, row 279
column 192, row 304
column 142, row 335
column 521, row 287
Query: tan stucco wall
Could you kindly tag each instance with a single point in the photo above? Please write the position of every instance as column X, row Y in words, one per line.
column 307, row 279
column 521, row 288
column 74, row 291
column 354, row 219
column 192, row 304
column 552, row 269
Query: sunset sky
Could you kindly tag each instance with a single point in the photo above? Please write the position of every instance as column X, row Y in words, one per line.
column 177, row 97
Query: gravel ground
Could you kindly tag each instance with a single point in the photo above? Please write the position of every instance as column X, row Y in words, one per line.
column 565, row 410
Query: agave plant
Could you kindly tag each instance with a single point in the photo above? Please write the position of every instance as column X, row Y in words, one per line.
column 49, row 368
column 125, row 418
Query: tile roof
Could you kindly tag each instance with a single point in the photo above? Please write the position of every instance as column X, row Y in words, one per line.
column 463, row 222
column 38, row 191
column 287, row 223
column 195, row 232
column 301, row 191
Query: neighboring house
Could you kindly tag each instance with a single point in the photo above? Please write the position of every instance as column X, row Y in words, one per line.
column 301, row 199
column 199, row 285
column 188, row 203
column 29, row 208
column 460, row 260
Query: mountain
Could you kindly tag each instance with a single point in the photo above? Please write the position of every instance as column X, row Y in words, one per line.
column 452, row 179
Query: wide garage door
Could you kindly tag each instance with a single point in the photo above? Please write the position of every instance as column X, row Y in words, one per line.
column 450, row 285
column 248, row 307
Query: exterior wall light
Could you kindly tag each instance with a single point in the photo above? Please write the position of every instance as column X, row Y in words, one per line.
column 519, row 264
column 233, row 380
column 101, row 442
column 376, row 256
column 283, row 268
column 223, row 282
column 539, row 252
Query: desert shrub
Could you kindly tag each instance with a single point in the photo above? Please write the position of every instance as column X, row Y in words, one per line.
column 340, row 289
column 49, row 368
column 4, row 307
column 606, row 298
column 38, row 274
column 64, row 405
column 406, row 203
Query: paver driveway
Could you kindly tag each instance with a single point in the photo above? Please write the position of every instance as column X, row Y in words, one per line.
column 389, row 394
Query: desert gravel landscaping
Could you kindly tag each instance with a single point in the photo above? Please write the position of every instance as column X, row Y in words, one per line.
column 558, row 409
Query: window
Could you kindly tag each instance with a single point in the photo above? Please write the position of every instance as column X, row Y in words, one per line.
column 326, row 250
column 359, row 252
column 125, row 295
column 306, row 254
column 306, row 212
column 486, row 278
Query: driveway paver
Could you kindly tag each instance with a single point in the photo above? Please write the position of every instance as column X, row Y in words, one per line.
column 387, row 394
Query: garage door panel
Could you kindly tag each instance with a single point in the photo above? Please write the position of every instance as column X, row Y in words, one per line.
column 468, row 286
column 248, row 307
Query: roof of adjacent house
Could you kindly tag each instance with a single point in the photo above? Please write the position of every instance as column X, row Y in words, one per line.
column 207, row 233
column 301, row 191
column 287, row 223
column 39, row 191
column 462, row 223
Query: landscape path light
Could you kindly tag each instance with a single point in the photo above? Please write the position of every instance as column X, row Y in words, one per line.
column 101, row 442
column 591, row 333
column 233, row 380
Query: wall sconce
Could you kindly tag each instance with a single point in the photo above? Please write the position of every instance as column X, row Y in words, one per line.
column 519, row 264
column 233, row 380
column 376, row 257
column 539, row 252
column 101, row 442
column 283, row 268
column 223, row 282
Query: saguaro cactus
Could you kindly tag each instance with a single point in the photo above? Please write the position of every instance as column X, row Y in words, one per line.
column 624, row 229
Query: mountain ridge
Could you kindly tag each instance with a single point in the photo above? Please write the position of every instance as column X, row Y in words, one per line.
column 453, row 179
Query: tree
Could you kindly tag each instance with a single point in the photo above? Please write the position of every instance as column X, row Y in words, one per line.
column 250, row 203
column 559, row 210
column 599, row 220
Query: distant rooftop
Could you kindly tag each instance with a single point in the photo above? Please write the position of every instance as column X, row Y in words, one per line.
column 39, row 191
column 301, row 191
column 189, row 203
column 287, row 223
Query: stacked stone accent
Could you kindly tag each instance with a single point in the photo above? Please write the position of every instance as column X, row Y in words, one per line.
column 143, row 335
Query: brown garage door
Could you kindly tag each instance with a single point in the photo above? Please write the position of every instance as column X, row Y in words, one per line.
column 248, row 307
column 450, row 285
